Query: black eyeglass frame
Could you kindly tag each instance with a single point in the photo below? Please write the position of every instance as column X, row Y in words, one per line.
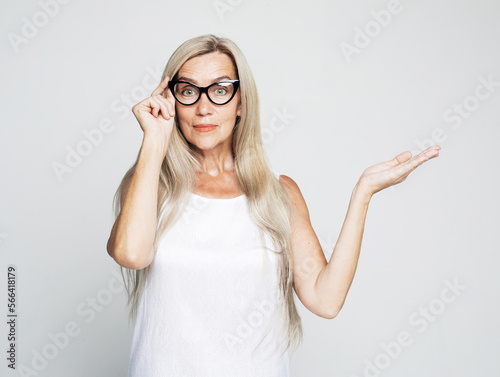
column 236, row 84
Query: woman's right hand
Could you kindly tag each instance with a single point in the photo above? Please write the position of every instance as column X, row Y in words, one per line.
column 156, row 114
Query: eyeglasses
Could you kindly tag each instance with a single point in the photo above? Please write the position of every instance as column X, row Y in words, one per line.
column 219, row 93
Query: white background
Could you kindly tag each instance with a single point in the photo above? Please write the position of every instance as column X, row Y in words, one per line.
column 345, row 113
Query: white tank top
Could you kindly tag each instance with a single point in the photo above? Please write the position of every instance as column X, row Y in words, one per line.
column 211, row 298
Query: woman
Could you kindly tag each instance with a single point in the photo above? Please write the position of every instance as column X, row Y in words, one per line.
column 214, row 241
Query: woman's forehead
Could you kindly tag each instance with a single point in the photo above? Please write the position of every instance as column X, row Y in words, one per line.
column 208, row 67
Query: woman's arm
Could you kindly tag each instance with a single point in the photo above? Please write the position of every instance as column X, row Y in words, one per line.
column 131, row 241
column 335, row 279
column 320, row 285
column 323, row 286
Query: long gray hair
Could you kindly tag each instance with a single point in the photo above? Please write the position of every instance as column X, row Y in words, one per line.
column 268, row 201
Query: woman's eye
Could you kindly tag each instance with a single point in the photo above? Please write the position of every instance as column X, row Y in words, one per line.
column 220, row 91
column 187, row 92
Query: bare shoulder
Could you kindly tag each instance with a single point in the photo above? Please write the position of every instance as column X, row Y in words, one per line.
column 289, row 185
column 294, row 194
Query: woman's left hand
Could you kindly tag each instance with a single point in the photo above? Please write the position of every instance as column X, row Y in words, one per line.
column 389, row 173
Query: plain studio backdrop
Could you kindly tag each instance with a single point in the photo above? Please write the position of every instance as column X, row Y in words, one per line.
column 343, row 86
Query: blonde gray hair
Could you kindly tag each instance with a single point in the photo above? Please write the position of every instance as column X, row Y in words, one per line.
column 268, row 201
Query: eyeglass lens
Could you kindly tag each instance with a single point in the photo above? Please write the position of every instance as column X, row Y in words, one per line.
column 219, row 93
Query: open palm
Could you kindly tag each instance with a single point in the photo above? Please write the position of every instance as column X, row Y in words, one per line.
column 389, row 173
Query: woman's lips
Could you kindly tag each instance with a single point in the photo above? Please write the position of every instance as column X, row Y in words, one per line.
column 205, row 127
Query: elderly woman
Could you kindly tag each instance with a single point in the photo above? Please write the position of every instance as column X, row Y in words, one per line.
column 213, row 241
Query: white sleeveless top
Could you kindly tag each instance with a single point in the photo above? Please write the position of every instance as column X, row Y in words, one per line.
column 211, row 298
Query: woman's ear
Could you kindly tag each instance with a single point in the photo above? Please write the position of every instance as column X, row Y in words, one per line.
column 238, row 109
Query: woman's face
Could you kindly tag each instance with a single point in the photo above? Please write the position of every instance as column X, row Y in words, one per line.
column 205, row 70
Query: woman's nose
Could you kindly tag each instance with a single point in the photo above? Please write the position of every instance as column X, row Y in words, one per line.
column 204, row 106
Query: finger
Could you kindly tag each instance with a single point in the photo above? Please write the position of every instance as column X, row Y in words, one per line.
column 429, row 153
column 399, row 159
column 170, row 104
column 431, row 150
column 170, row 96
column 400, row 171
column 165, row 106
column 435, row 146
column 420, row 159
column 404, row 157
column 161, row 88
column 171, row 100
column 157, row 108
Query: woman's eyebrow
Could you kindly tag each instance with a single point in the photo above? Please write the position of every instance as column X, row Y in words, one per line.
column 184, row 78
